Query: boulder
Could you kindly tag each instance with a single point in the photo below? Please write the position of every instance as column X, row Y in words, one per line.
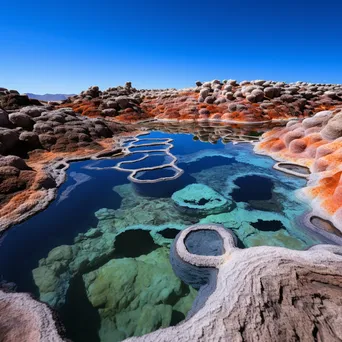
column 14, row 161
column 251, row 98
column 110, row 112
column 259, row 95
column 259, row 82
column 30, row 139
column 230, row 96
column 21, row 120
column 4, row 120
column 331, row 94
column 13, row 101
column 333, row 129
column 47, row 140
column 205, row 92
column 210, row 99
column 42, row 127
column 123, row 102
column 33, row 111
column 270, row 92
column 9, row 138
column 238, row 94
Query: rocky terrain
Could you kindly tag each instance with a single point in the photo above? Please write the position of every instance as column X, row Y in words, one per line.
column 227, row 100
column 256, row 294
column 34, row 140
column 24, row 319
column 12, row 99
column 316, row 143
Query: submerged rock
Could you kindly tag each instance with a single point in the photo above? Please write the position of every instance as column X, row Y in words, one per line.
column 199, row 199
column 135, row 296
column 259, row 294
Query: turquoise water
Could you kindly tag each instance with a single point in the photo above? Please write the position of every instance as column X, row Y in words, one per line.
column 99, row 252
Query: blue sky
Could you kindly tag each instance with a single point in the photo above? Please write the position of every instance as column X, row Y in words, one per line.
column 67, row 46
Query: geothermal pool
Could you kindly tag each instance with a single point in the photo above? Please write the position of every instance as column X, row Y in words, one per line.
column 99, row 254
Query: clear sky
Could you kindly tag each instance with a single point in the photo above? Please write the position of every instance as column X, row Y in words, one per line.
column 67, row 46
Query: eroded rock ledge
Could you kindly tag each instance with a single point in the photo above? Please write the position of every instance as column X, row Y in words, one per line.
column 24, row 319
column 36, row 145
column 315, row 144
column 261, row 293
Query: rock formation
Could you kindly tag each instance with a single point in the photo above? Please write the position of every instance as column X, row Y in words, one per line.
column 24, row 319
column 45, row 138
column 145, row 149
column 316, row 143
column 259, row 294
column 227, row 100
column 143, row 295
column 199, row 200
column 11, row 99
column 255, row 294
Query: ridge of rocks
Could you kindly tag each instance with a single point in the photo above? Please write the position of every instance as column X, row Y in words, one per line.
column 315, row 143
column 227, row 100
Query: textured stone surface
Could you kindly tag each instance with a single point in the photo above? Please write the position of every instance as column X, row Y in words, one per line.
column 199, row 199
column 315, row 143
column 24, row 319
column 24, row 192
column 249, row 101
column 52, row 134
column 266, row 294
column 135, row 296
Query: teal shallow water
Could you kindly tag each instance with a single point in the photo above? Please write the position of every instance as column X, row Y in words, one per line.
column 99, row 253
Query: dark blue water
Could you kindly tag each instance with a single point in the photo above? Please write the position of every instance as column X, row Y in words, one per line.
column 23, row 245
column 148, row 148
column 156, row 174
column 152, row 161
column 252, row 188
column 207, row 163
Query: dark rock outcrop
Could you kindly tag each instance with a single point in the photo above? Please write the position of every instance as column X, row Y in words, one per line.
column 11, row 99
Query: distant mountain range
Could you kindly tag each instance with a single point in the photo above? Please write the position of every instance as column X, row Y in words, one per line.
column 49, row 97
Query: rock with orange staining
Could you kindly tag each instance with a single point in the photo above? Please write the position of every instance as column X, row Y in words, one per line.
column 315, row 142
column 277, row 146
column 297, row 146
column 253, row 100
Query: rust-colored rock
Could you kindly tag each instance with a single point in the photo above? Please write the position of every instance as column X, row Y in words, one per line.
column 249, row 101
column 315, row 142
